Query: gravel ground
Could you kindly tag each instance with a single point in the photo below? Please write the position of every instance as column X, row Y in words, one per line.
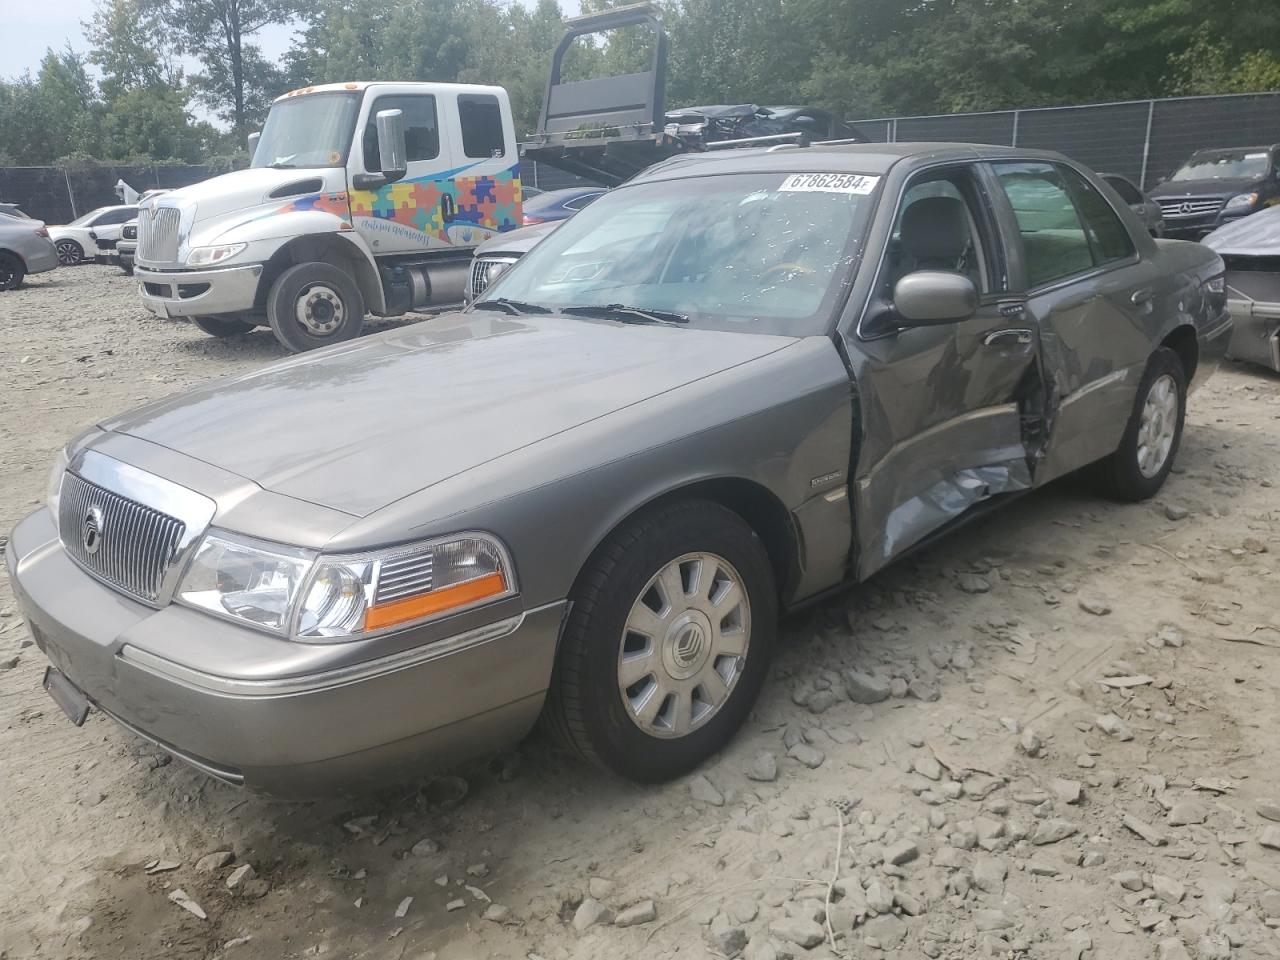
column 1053, row 736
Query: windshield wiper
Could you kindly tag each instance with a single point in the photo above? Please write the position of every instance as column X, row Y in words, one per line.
column 625, row 314
column 514, row 307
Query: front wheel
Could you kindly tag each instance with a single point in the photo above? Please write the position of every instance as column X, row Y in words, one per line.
column 313, row 305
column 1141, row 464
column 70, row 253
column 11, row 272
column 226, row 326
column 667, row 643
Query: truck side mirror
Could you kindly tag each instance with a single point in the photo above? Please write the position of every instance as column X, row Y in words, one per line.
column 391, row 147
column 927, row 297
column 253, row 144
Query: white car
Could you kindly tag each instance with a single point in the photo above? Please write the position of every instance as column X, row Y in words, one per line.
column 92, row 235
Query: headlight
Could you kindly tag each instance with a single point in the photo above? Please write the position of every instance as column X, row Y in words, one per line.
column 205, row 256
column 350, row 597
column 246, row 580
column 1216, row 284
column 53, row 491
column 1241, row 201
column 323, row 599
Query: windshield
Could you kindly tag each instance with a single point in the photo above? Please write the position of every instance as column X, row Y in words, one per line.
column 761, row 253
column 308, row 131
column 1225, row 165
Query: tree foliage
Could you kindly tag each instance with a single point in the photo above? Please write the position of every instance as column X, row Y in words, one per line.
column 860, row 58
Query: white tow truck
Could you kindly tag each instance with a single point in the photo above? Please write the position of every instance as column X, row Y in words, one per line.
column 360, row 198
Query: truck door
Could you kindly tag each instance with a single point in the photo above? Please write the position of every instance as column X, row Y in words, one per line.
column 412, row 214
column 1094, row 301
column 941, row 406
column 486, row 161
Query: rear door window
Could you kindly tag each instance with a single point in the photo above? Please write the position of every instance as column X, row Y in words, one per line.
column 1107, row 233
column 482, row 134
column 1055, row 244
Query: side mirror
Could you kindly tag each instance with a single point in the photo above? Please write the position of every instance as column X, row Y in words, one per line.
column 928, row 297
column 391, row 148
column 253, row 144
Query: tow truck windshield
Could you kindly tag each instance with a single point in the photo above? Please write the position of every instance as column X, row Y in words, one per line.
column 313, row 130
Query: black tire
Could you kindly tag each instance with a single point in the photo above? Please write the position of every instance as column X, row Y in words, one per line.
column 127, row 268
column 585, row 709
column 1121, row 474
column 223, row 326
column 12, row 271
column 70, row 253
column 326, row 295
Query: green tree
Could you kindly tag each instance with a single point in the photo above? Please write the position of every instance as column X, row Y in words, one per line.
column 133, row 47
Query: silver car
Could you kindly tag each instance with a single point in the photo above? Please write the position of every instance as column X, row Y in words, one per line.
column 1142, row 204
column 25, row 248
column 721, row 391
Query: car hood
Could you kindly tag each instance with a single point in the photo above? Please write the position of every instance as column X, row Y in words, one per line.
column 1257, row 235
column 1203, row 188
column 361, row 425
column 517, row 242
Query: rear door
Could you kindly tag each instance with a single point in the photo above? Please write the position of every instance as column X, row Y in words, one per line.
column 1093, row 298
column 486, row 164
column 941, row 406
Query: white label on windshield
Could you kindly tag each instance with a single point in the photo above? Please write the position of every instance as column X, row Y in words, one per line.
column 829, row 183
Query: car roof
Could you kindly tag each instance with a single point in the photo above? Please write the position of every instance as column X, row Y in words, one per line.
column 867, row 158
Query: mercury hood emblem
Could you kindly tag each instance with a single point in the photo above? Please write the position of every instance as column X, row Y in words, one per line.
column 91, row 530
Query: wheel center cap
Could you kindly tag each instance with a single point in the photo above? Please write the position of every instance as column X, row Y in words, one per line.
column 687, row 645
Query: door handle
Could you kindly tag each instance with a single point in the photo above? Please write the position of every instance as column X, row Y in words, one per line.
column 1145, row 295
column 447, row 209
column 1017, row 336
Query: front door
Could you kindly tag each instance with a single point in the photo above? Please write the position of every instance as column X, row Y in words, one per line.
column 942, row 406
column 1094, row 300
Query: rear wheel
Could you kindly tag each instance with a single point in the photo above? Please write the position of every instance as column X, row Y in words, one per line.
column 667, row 644
column 70, row 253
column 11, row 272
column 223, row 326
column 1141, row 464
column 313, row 305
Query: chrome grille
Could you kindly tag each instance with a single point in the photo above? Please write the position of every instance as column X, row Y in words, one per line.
column 479, row 281
column 136, row 544
column 1190, row 207
column 158, row 234
column 404, row 577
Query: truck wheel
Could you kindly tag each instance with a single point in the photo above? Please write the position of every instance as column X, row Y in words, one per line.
column 70, row 253
column 1141, row 464
column 667, row 643
column 11, row 272
column 313, row 305
column 228, row 325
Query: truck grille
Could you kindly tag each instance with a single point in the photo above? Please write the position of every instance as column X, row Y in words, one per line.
column 118, row 540
column 1189, row 207
column 158, row 234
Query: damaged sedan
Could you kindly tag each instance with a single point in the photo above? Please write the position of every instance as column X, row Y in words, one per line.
column 1251, row 251
column 729, row 387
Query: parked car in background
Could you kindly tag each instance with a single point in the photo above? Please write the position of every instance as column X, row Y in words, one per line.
column 493, row 257
column 1144, row 206
column 12, row 210
column 559, row 204
column 1251, row 250
column 127, row 247
column 726, row 388
column 92, row 235
column 1217, row 186
column 25, row 248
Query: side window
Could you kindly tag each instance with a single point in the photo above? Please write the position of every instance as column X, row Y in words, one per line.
column 1107, row 232
column 115, row 216
column 1053, row 238
column 1128, row 192
column 421, row 132
column 942, row 224
column 481, row 118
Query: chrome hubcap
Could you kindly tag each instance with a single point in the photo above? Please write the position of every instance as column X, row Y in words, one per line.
column 320, row 311
column 684, row 645
column 1158, row 425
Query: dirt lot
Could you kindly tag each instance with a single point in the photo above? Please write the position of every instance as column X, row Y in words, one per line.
column 1067, row 746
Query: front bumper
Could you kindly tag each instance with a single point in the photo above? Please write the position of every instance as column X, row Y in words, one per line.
column 197, row 293
column 273, row 726
column 1196, row 228
column 1256, row 337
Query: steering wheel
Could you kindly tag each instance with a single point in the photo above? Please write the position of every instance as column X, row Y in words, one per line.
column 799, row 268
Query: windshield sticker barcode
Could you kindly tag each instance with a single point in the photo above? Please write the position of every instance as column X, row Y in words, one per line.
column 829, row 183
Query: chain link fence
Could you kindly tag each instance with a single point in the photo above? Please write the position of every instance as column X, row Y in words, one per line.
column 1145, row 140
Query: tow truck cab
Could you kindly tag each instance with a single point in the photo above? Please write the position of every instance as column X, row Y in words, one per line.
column 360, row 197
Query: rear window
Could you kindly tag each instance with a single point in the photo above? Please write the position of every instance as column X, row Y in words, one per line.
column 481, row 118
